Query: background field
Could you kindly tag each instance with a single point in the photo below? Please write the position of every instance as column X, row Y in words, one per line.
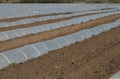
column 59, row 1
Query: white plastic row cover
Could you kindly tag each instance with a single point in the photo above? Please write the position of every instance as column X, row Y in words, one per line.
column 32, row 20
column 32, row 30
column 116, row 76
column 8, row 11
column 35, row 50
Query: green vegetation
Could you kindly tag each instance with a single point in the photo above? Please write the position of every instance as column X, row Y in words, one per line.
column 61, row 1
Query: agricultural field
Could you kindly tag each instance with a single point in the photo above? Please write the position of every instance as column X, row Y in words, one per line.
column 59, row 41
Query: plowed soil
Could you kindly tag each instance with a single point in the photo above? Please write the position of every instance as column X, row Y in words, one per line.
column 94, row 58
column 41, row 15
column 32, row 38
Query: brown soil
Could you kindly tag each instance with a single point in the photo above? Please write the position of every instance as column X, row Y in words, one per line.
column 32, row 38
column 94, row 58
column 34, row 24
column 41, row 15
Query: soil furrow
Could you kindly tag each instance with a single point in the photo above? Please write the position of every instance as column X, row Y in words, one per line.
column 94, row 58
column 38, row 23
column 33, row 38
column 41, row 15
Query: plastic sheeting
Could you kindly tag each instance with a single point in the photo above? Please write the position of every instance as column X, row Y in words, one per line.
column 30, row 51
column 46, row 27
column 34, row 50
column 12, row 34
column 35, row 30
column 40, row 29
column 15, row 56
column 95, row 31
column 3, row 36
column 20, row 32
column 69, row 39
column 26, row 21
column 116, row 76
column 78, row 37
column 84, row 34
column 28, row 10
column 28, row 30
column 52, row 45
column 3, row 61
column 41, row 47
